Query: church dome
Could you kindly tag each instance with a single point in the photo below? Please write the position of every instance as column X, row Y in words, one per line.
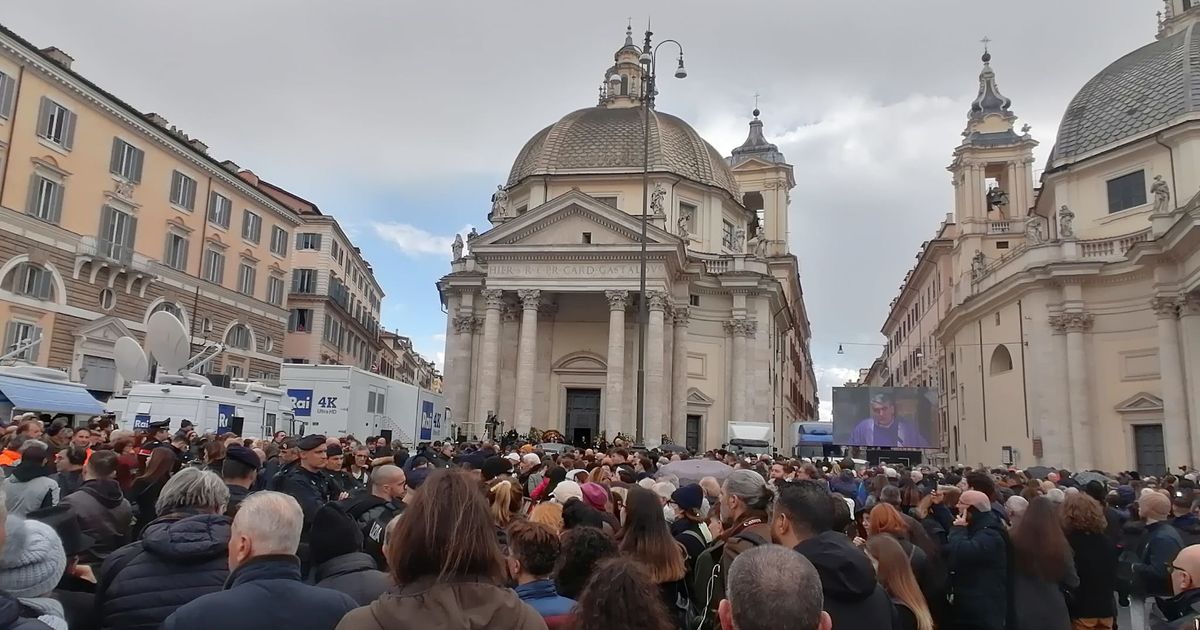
column 1143, row 90
column 608, row 140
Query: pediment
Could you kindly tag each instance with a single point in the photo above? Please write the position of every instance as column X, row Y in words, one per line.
column 581, row 362
column 107, row 328
column 563, row 220
column 1140, row 402
column 697, row 397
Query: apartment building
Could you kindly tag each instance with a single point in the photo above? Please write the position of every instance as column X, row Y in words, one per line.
column 108, row 214
column 399, row 360
column 333, row 296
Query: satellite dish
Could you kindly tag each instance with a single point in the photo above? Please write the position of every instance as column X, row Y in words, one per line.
column 131, row 360
column 167, row 341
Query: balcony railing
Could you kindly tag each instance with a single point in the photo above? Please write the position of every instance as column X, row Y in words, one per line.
column 1113, row 246
column 1005, row 227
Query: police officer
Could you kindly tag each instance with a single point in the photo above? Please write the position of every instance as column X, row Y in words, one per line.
column 157, row 434
column 308, row 482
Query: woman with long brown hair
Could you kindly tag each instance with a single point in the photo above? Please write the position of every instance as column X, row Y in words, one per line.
column 1096, row 561
column 143, row 494
column 620, row 596
column 896, row 577
column 1045, row 566
column 647, row 539
column 447, row 565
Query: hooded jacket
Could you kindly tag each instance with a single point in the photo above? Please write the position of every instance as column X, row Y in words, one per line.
column 853, row 598
column 179, row 558
column 30, row 488
column 463, row 604
column 104, row 514
column 978, row 556
column 353, row 574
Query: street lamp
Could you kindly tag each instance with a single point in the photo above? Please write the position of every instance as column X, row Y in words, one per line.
column 649, row 60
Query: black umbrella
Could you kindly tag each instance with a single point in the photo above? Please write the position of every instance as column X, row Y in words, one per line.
column 673, row 448
column 1039, row 472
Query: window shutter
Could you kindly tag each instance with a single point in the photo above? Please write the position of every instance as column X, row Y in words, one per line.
column 212, row 206
column 131, row 234
column 189, row 189
column 295, row 281
column 177, row 188
column 44, row 110
column 10, row 338
column 138, row 157
column 317, row 241
column 69, row 130
column 32, row 353
column 56, row 202
column 7, row 89
column 114, row 162
column 31, row 201
column 106, row 219
column 298, row 235
column 42, row 284
column 182, row 256
column 291, row 321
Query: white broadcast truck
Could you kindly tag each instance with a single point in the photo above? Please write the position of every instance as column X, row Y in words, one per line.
column 245, row 408
column 751, row 438
column 345, row 400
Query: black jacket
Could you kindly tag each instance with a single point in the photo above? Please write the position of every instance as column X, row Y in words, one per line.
column 1151, row 574
column 978, row 556
column 68, row 482
column 15, row 616
column 689, row 535
column 1182, row 611
column 1096, row 564
column 372, row 515
column 237, row 494
column 142, row 496
column 104, row 514
column 353, row 574
column 852, row 596
column 179, row 558
column 309, row 489
column 264, row 593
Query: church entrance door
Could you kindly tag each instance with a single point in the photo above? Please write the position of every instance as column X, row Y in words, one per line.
column 583, row 416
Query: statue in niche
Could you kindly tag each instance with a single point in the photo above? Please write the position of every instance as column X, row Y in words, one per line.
column 1065, row 217
column 1162, row 195
column 457, row 247
column 681, row 226
column 499, row 200
column 978, row 265
column 1034, row 235
column 656, row 201
column 760, row 243
column 997, row 200
column 739, row 241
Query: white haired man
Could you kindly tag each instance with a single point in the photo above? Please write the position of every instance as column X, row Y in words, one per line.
column 264, row 589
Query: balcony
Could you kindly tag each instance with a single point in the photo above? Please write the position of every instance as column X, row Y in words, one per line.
column 1006, row 227
column 1113, row 247
column 119, row 259
column 737, row 264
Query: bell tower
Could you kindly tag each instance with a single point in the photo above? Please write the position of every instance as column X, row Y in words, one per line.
column 622, row 85
column 766, row 181
column 1176, row 16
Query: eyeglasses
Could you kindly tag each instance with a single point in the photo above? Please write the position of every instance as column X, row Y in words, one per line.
column 1174, row 568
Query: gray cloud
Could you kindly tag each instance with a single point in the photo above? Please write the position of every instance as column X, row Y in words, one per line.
column 865, row 99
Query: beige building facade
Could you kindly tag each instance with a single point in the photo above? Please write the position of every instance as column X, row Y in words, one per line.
column 108, row 215
column 542, row 325
column 1072, row 336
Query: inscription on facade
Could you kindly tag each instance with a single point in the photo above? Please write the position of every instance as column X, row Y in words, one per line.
column 572, row 270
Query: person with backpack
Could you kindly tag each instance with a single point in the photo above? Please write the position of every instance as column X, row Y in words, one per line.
column 689, row 527
column 803, row 520
column 374, row 510
column 742, row 506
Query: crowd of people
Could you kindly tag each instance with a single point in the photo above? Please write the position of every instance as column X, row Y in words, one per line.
column 105, row 529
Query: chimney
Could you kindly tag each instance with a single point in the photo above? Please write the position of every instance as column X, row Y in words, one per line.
column 199, row 146
column 249, row 176
column 157, row 119
column 58, row 57
column 231, row 166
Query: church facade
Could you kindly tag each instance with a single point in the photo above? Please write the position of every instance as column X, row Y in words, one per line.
column 542, row 310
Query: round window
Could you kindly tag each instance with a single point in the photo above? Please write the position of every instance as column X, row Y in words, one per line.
column 108, row 299
column 268, row 344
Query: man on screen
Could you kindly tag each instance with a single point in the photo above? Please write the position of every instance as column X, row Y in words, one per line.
column 883, row 428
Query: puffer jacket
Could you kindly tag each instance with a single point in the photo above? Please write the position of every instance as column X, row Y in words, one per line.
column 978, row 556
column 353, row 574
column 179, row 558
column 463, row 604
column 29, row 488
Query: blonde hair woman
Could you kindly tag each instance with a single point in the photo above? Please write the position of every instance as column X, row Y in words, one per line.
column 896, row 577
column 549, row 514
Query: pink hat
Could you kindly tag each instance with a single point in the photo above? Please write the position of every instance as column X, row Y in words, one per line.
column 977, row 500
column 595, row 495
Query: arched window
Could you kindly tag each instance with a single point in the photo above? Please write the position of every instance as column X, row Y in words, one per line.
column 1001, row 360
column 238, row 337
column 31, row 280
column 169, row 307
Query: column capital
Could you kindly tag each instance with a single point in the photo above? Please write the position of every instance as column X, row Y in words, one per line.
column 617, row 300
column 1190, row 306
column 741, row 327
column 1165, row 306
column 1077, row 322
column 530, row 298
column 750, row 328
column 658, row 300
column 465, row 323
column 681, row 316
column 494, row 297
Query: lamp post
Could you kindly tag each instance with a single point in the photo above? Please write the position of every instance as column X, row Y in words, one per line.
column 648, row 59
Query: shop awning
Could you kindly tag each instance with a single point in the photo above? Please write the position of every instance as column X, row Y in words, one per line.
column 48, row 396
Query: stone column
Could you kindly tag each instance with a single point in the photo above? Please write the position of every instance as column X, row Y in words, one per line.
column 679, row 377
column 1053, row 407
column 755, row 400
column 489, row 354
column 1176, row 434
column 450, row 368
column 1078, row 396
column 1189, row 324
column 655, row 392
column 526, row 358
column 458, row 369
column 614, row 388
column 737, row 378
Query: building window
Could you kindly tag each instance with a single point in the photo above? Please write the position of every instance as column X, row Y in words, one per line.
column 108, row 299
column 214, row 266
column 183, row 191
column 308, row 240
column 56, row 124
column 233, row 370
column 126, row 161
column 300, row 320
column 1127, row 191
column 304, row 281
column 220, row 210
column 997, row 318
column 1001, row 244
column 251, row 226
column 694, row 300
column 279, row 241
column 45, row 199
column 728, row 235
column 17, row 333
column 275, row 290
column 176, row 253
column 1001, row 360
column 8, row 89
column 117, row 233
column 246, row 277
column 267, row 344
column 586, row 238
column 238, row 337
column 32, row 281
column 169, row 308
column 335, row 251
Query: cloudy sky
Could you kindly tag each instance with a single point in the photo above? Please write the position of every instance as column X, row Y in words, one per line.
column 401, row 117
